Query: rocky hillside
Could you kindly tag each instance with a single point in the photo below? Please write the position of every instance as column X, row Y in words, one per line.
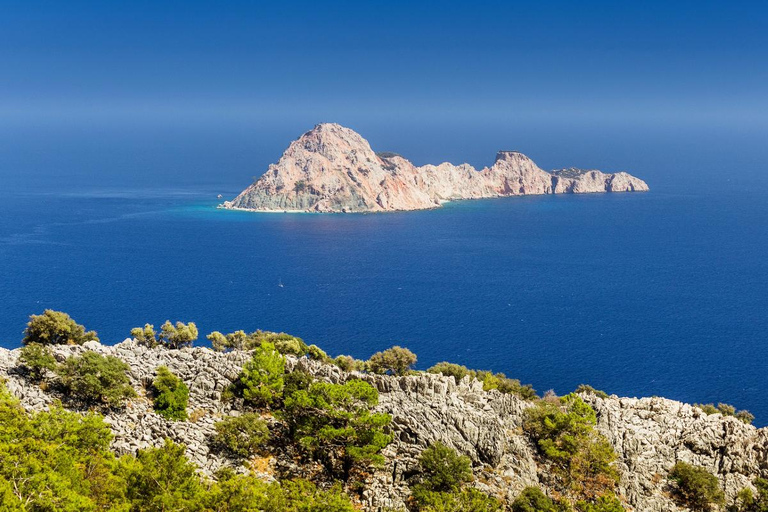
column 333, row 169
column 649, row 435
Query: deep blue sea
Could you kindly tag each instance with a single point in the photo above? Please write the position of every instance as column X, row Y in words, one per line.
column 663, row 293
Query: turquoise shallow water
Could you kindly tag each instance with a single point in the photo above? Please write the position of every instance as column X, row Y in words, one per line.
column 638, row 294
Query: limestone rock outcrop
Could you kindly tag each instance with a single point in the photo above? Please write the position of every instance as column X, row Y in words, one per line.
column 649, row 435
column 333, row 169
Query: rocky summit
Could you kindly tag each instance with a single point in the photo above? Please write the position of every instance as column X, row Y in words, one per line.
column 333, row 169
column 648, row 435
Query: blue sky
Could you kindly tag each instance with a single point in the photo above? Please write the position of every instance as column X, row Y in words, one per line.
column 679, row 61
column 139, row 92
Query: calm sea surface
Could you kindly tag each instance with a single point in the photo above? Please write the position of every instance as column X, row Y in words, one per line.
column 664, row 293
column 637, row 294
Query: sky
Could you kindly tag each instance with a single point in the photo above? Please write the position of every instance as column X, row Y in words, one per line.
column 435, row 78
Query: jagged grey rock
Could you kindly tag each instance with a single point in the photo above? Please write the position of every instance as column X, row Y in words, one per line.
column 649, row 435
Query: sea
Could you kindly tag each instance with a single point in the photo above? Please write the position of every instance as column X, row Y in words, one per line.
column 639, row 294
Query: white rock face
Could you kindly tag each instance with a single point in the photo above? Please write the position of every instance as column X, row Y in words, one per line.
column 649, row 435
column 333, row 169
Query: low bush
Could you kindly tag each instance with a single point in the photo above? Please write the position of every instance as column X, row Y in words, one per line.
column 242, row 435
column 564, row 433
column 490, row 380
column 747, row 501
column 443, row 474
column 94, row 378
column 171, row 336
column 532, row 499
column 56, row 328
column 349, row 364
column 586, row 388
column 295, row 381
column 727, row 410
column 37, row 359
column 334, row 424
column 696, row 487
column 239, row 340
column 396, row 361
column 171, row 395
column 261, row 380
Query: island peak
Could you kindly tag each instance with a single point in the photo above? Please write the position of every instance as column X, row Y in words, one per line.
column 332, row 168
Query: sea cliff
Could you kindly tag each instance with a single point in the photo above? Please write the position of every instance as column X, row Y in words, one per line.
column 333, row 169
column 648, row 435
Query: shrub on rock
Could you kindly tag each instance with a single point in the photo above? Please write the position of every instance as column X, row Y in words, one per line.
column 261, row 380
column 38, row 359
column 334, row 424
column 145, row 335
column 396, row 361
column 177, row 336
column 696, row 487
column 171, row 395
column 56, row 328
column 94, row 378
column 242, row 435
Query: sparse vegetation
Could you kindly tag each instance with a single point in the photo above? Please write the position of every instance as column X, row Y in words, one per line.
column 696, row 487
column 586, row 388
column 56, row 328
column 334, row 424
column 727, row 410
column 490, row 380
column 241, row 435
column 171, row 395
column 396, row 361
column 443, row 474
column 96, row 379
column 581, row 458
column 37, row 359
column 261, row 380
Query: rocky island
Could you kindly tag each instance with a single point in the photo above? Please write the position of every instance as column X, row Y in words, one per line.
column 333, row 169
column 263, row 421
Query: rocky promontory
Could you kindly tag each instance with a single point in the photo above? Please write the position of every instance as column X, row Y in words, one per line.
column 333, row 169
column 648, row 435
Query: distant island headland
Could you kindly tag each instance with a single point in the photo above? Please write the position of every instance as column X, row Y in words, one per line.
column 333, row 169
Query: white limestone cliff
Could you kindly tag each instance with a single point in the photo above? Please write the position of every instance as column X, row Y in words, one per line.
column 333, row 169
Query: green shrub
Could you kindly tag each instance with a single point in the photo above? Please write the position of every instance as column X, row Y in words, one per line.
column 349, row 364
column 465, row 500
column 145, row 335
column 235, row 493
column 163, row 479
column 55, row 460
column 56, row 328
column 239, row 340
column 334, row 424
column 318, row 354
column 726, row 410
column 242, row 435
column 456, row 371
column 443, row 474
column 745, row 416
column 261, row 380
column 177, row 336
column 697, row 488
column 38, row 359
column 396, row 360
column 586, row 388
column 295, row 381
column 532, row 499
column 605, row 503
column 490, row 380
column 442, row 469
column 171, row 395
column 564, row 433
column 747, row 501
column 96, row 379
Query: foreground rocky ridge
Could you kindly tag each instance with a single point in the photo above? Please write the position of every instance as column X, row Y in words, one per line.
column 333, row 169
column 649, row 435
